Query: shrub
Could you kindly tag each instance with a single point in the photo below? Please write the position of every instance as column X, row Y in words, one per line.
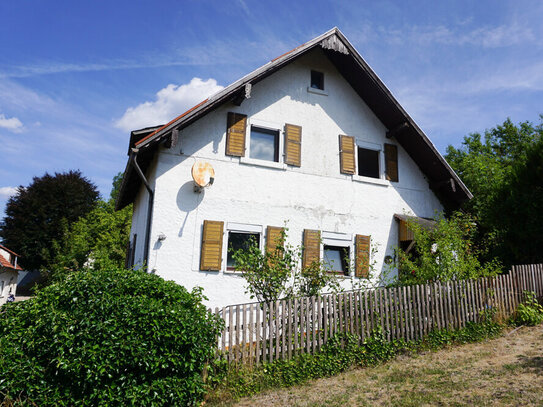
column 530, row 312
column 107, row 338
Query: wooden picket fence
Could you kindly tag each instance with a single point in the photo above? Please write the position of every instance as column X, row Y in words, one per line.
column 256, row 333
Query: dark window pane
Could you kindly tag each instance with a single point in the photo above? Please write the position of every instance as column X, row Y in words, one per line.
column 237, row 241
column 317, row 80
column 336, row 258
column 264, row 144
column 368, row 163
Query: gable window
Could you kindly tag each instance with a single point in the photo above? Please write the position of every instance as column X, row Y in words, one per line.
column 264, row 144
column 368, row 163
column 317, row 80
column 336, row 259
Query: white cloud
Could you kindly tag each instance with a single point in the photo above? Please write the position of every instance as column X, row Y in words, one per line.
column 12, row 124
column 6, row 192
column 170, row 102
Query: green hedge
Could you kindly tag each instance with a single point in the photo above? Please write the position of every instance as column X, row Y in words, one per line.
column 106, row 338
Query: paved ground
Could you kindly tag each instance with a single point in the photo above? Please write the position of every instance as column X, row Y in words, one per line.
column 507, row 371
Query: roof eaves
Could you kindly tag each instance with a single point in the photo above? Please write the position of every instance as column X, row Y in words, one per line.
column 411, row 121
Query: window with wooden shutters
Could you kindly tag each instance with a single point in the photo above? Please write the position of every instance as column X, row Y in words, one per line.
column 235, row 134
column 211, row 256
column 362, row 256
column 274, row 237
column 347, row 154
column 312, row 247
column 293, row 145
column 391, row 162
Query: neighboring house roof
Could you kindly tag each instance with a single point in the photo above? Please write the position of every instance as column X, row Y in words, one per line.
column 5, row 263
column 443, row 180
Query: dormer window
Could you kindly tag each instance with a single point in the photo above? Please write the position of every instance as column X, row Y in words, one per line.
column 317, row 80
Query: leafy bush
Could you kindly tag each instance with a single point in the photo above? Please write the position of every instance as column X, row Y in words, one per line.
column 443, row 253
column 530, row 312
column 107, row 338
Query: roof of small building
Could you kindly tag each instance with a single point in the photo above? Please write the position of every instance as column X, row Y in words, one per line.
column 443, row 180
column 5, row 263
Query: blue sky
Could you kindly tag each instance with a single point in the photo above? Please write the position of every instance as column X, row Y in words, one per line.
column 76, row 76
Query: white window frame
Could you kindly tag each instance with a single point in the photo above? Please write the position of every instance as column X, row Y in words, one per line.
column 267, row 125
column 374, row 147
column 339, row 240
column 239, row 228
column 2, row 284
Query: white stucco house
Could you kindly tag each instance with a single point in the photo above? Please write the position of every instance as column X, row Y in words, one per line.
column 9, row 271
column 313, row 138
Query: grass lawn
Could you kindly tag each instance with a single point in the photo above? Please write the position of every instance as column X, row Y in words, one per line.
column 507, row 371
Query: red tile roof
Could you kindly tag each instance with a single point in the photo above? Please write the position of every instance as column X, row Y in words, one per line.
column 5, row 262
column 167, row 124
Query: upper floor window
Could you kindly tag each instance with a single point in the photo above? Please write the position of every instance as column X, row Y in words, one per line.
column 317, row 80
column 264, row 144
column 368, row 162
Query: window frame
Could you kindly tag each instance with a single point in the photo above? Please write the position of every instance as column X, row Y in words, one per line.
column 236, row 227
column 321, row 77
column 337, row 239
column 380, row 148
column 280, row 144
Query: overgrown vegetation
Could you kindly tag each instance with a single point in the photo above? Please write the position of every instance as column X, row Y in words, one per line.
column 278, row 273
column 503, row 168
column 96, row 241
column 443, row 253
column 530, row 311
column 115, row 337
column 341, row 353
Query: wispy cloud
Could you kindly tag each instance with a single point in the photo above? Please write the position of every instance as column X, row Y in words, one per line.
column 12, row 124
column 169, row 103
column 455, row 34
column 6, row 192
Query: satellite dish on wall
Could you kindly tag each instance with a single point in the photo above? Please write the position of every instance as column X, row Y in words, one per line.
column 203, row 175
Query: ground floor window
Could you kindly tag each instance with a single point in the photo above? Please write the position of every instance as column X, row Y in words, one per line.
column 336, row 258
column 237, row 241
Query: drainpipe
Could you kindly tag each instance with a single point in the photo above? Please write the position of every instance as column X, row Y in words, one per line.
column 134, row 163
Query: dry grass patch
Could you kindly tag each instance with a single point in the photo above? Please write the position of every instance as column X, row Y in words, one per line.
column 504, row 371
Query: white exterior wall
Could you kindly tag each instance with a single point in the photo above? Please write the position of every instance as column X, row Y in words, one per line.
column 8, row 284
column 313, row 196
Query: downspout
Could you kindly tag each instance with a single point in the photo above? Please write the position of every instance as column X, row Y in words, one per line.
column 134, row 162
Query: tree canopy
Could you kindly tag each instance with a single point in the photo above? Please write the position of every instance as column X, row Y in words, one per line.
column 97, row 241
column 38, row 214
column 503, row 169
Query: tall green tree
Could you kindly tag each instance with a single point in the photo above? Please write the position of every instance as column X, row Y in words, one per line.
column 487, row 164
column 37, row 214
column 96, row 241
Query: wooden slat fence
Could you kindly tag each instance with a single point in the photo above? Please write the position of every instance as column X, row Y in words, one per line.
column 256, row 333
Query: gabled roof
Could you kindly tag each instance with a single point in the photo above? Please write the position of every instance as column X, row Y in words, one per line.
column 443, row 180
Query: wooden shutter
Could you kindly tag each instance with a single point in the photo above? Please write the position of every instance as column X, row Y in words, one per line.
column 235, row 134
column 312, row 247
column 211, row 257
column 362, row 256
column 391, row 162
column 293, row 145
column 274, row 235
column 346, row 155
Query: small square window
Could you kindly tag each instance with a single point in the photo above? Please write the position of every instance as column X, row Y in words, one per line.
column 336, row 259
column 317, row 80
column 237, row 241
column 368, row 163
column 264, row 144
